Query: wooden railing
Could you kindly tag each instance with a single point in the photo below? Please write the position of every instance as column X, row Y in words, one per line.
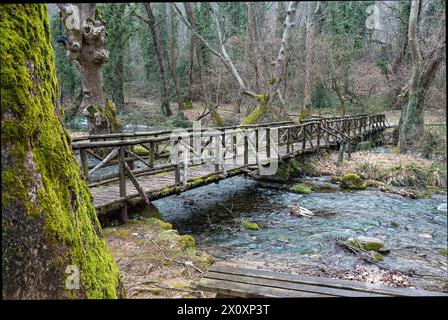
column 228, row 147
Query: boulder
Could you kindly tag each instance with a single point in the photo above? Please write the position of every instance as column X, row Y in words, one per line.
column 352, row 181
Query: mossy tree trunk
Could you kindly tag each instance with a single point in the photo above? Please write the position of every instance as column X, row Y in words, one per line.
column 49, row 224
column 86, row 37
column 423, row 72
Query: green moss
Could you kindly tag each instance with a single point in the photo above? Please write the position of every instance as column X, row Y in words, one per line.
column 300, row 188
column 187, row 242
column 216, row 117
column 161, row 224
column 372, row 246
column 288, row 168
column 188, row 104
column 427, row 195
column 258, row 113
column 378, row 257
column 31, row 129
column 168, row 235
column 249, row 225
column 444, row 251
column 369, row 246
column 374, row 183
column 352, row 181
column 110, row 112
column 140, row 150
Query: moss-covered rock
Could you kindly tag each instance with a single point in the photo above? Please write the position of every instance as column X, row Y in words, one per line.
column 300, row 188
column 249, row 225
column 140, row 150
column 378, row 257
column 366, row 243
column 187, row 242
column 374, row 183
column 352, row 181
column 161, row 224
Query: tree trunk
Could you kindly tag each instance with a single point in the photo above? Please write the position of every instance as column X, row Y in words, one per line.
column 201, row 66
column 50, row 230
column 266, row 99
column 86, row 36
column 423, row 72
column 309, row 40
column 252, row 44
column 192, row 49
column 165, row 102
column 115, row 67
column 171, row 55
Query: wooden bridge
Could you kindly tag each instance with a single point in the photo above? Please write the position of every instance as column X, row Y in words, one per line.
column 120, row 174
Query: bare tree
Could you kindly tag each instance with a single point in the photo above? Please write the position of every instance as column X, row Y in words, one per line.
column 267, row 97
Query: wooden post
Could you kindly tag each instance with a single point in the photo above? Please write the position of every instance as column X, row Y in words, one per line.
column 268, row 143
column 84, row 163
column 235, row 145
column 340, row 153
column 217, row 153
column 177, row 167
column 304, row 138
column 256, row 140
column 288, row 140
column 318, row 134
column 122, row 183
column 246, row 148
column 151, row 154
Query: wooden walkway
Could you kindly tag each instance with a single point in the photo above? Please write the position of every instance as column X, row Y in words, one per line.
column 175, row 161
column 229, row 281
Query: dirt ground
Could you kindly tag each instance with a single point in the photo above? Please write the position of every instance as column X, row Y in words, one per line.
column 155, row 261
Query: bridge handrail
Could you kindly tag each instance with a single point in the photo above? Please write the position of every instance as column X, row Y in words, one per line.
column 164, row 132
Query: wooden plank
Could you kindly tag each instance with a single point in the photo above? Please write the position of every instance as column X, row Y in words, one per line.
column 335, row 283
column 294, row 286
column 243, row 290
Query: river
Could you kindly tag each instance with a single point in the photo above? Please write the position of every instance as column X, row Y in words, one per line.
column 414, row 229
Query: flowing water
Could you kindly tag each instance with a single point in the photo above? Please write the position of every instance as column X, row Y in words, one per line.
column 414, row 229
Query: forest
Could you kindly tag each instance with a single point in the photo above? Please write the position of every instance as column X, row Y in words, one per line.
column 183, row 150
